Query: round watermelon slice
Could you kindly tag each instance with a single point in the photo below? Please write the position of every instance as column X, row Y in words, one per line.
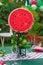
column 20, row 20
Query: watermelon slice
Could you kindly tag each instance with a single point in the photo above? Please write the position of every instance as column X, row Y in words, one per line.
column 38, row 49
column 20, row 20
column 2, row 63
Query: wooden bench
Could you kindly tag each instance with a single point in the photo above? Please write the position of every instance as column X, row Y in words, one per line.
column 4, row 35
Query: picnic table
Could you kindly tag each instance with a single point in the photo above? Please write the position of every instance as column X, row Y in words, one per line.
column 32, row 61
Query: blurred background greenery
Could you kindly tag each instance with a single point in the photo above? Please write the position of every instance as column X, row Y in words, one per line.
column 6, row 6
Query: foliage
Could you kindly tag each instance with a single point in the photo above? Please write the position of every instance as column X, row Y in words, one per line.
column 23, row 42
column 4, row 28
column 37, row 28
column 14, row 39
column 35, row 15
column 2, row 52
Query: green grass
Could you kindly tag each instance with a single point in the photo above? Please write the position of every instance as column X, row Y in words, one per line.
column 6, row 44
